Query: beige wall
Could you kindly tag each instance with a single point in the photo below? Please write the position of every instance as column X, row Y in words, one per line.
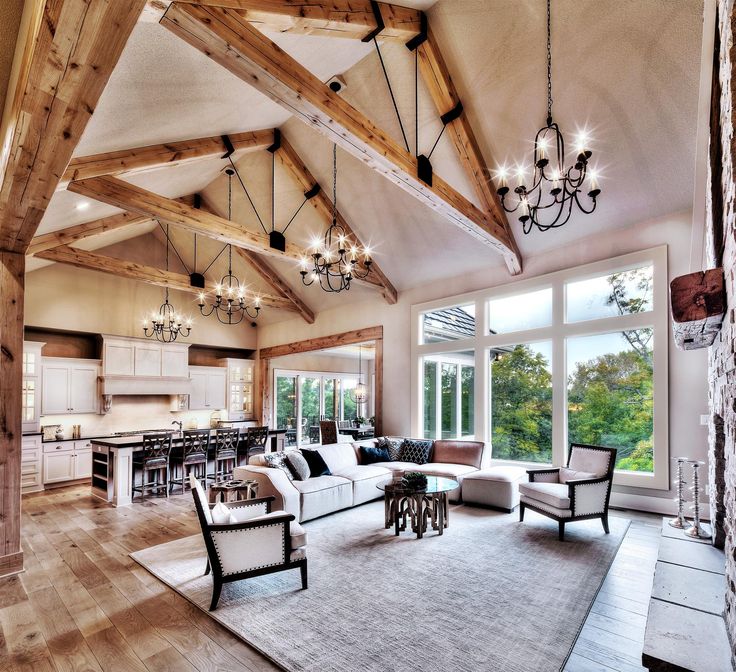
column 687, row 370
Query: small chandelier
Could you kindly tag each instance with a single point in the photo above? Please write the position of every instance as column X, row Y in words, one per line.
column 333, row 264
column 229, row 305
column 548, row 203
column 166, row 324
column 359, row 394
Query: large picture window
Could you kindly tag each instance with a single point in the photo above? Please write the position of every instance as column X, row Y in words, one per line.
column 577, row 356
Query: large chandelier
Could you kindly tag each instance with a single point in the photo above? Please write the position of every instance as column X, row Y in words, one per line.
column 166, row 324
column 555, row 188
column 230, row 304
column 335, row 261
column 359, row 393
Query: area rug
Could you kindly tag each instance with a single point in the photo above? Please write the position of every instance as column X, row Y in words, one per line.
column 490, row 594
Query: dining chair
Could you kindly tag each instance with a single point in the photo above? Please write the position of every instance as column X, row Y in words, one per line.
column 152, row 462
column 190, row 457
column 225, row 454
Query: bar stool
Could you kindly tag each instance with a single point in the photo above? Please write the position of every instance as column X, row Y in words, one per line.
column 225, row 454
column 254, row 444
column 191, row 457
column 153, row 463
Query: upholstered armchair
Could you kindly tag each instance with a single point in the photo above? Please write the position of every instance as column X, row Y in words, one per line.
column 255, row 541
column 579, row 491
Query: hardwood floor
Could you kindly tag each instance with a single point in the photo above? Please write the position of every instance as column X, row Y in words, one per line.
column 83, row 604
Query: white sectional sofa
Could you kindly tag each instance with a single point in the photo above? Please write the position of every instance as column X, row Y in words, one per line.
column 352, row 483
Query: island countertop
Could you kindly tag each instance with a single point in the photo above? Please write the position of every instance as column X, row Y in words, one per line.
column 136, row 440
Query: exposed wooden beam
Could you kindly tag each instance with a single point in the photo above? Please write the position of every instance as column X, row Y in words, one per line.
column 322, row 342
column 228, row 38
column 134, row 271
column 436, row 77
column 66, row 55
column 288, row 157
column 353, row 19
column 121, row 194
column 79, row 232
column 156, row 156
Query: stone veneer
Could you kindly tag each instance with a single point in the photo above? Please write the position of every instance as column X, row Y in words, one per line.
column 722, row 355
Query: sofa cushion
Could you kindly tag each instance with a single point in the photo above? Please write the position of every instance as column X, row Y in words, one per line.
column 504, row 473
column 455, row 471
column 553, row 494
column 566, row 475
column 338, row 455
column 371, row 455
column 298, row 465
column 366, row 479
column 317, row 465
column 362, row 472
column 396, row 466
column 415, row 450
column 323, row 495
column 278, row 461
column 458, row 452
column 319, row 483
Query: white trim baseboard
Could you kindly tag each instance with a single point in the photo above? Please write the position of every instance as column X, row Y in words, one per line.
column 664, row 505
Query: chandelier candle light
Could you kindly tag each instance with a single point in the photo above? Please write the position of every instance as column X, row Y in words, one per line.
column 230, row 305
column 359, row 394
column 333, row 264
column 548, row 202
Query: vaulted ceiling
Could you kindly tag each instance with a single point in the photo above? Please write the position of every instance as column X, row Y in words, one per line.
column 627, row 70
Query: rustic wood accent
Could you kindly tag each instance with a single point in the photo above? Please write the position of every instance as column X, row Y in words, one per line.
column 698, row 306
column 378, row 391
column 436, row 77
column 716, row 238
column 12, row 273
column 140, row 159
column 58, row 343
column 288, row 157
column 264, row 389
column 135, row 271
column 229, row 39
column 353, row 19
column 62, row 65
column 79, row 232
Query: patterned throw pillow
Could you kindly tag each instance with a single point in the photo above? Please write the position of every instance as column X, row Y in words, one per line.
column 392, row 445
column 298, row 465
column 415, row 450
column 278, row 461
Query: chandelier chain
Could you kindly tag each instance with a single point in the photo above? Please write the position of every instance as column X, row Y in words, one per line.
column 549, row 63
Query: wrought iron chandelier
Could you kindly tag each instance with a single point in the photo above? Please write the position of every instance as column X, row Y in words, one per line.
column 230, row 304
column 166, row 324
column 335, row 261
column 359, row 393
column 548, row 202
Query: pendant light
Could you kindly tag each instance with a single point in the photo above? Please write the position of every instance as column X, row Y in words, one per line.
column 359, row 393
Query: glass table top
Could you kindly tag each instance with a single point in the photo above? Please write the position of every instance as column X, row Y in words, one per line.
column 435, row 484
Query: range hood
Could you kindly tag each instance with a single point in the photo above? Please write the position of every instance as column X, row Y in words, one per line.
column 144, row 385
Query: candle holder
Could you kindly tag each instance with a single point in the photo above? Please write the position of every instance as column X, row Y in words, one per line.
column 679, row 521
column 695, row 530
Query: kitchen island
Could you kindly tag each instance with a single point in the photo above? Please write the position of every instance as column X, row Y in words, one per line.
column 112, row 464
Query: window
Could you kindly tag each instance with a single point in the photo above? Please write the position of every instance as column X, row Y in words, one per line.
column 286, row 411
column 332, row 400
column 579, row 356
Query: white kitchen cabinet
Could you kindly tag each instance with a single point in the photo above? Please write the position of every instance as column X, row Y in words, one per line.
column 175, row 361
column 143, row 358
column 31, row 477
column 31, row 390
column 66, row 461
column 118, row 357
column 147, row 357
column 239, row 388
column 82, row 459
column 207, row 391
column 70, row 386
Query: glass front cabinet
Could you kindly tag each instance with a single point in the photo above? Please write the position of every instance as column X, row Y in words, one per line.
column 31, row 391
column 240, row 378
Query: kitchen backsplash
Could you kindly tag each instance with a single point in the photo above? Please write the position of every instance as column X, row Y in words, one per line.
column 131, row 413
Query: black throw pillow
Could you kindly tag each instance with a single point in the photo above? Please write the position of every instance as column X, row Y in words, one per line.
column 370, row 455
column 317, row 465
column 415, row 450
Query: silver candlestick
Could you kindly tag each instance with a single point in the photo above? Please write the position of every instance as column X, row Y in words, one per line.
column 695, row 530
column 679, row 522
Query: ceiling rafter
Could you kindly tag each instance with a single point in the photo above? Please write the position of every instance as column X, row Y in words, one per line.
column 63, row 67
column 321, row 202
column 229, row 39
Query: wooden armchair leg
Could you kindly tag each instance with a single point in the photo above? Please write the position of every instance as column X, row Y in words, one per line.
column 562, row 530
column 303, row 570
column 207, row 569
column 216, row 590
column 521, row 512
column 604, row 520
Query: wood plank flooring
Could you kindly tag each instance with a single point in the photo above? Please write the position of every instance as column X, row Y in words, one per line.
column 82, row 604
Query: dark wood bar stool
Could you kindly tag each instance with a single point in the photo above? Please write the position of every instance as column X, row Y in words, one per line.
column 225, row 454
column 191, row 457
column 254, row 443
column 153, row 464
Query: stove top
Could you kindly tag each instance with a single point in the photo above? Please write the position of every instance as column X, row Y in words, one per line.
column 136, row 432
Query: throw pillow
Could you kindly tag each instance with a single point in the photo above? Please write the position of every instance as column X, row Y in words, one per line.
column 298, row 465
column 317, row 465
column 572, row 475
column 370, row 455
column 220, row 514
column 415, row 450
column 392, row 445
column 278, row 461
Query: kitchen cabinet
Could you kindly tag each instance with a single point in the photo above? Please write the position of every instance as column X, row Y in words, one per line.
column 240, row 374
column 207, row 390
column 31, row 478
column 31, row 390
column 140, row 357
column 69, row 386
column 66, row 461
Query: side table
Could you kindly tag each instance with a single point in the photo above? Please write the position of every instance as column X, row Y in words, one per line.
column 232, row 491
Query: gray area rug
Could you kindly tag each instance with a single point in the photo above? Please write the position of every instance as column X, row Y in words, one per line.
column 490, row 594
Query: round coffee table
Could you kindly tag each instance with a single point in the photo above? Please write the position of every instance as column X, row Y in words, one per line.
column 418, row 506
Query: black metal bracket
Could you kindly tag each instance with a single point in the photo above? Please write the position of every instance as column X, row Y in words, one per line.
column 273, row 148
column 197, row 204
column 311, row 193
column 424, row 170
column 277, row 241
column 421, row 37
column 452, row 114
column 197, row 280
column 380, row 25
column 228, row 146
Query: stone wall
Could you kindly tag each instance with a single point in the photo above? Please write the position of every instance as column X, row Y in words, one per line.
column 722, row 356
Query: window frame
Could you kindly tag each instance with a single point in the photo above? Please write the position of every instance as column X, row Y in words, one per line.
column 458, row 363
column 558, row 332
